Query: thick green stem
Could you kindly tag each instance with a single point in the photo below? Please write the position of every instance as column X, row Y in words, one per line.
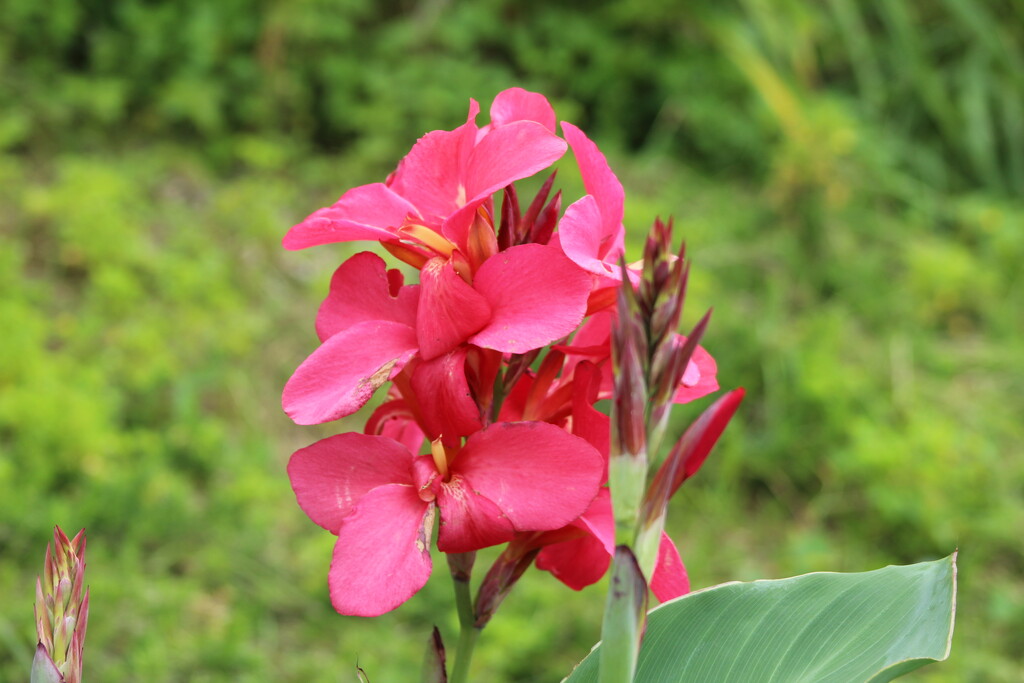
column 624, row 618
column 461, row 565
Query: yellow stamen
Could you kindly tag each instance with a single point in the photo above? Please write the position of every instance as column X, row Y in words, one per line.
column 428, row 238
column 413, row 257
column 437, row 450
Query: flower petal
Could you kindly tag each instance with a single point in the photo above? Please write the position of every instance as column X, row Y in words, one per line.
column 469, row 521
column 516, row 104
column 670, row 579
column 448, row 410
column 540, row 476
column 449, row 309
column 431, row 176
column 330, row 476
column 368, row 212
column 361, row 291
column 509, row 153
column 582, row 561
column 537, row 295
column 699, row 378
column 582, row 239
column 587, row 421
column 577, row 563
column 341, row 375
column 382, row 556
column 395, row 420
column 601, row 183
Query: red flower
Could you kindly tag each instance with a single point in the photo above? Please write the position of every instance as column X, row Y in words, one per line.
column 380, row 500
column 444, row 178
column 372, row 326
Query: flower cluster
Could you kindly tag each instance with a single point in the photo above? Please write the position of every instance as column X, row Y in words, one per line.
column 493, row 362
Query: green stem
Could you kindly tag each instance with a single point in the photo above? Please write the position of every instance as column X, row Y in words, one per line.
column 624, row 618
column 460, row 566
column 464, row 654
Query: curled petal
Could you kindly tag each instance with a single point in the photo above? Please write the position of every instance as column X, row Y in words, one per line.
column 340, row 376
column 699, row 378
column 361, row 290
column 368, row 212
column 540, row 476
column 601, row 183
column 331, row 476
column 582, row 239
column 382, row 556
column 670, row 579
column 537, row 295
column 395, row 420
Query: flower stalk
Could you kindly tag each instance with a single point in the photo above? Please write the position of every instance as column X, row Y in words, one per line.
column 650, row 360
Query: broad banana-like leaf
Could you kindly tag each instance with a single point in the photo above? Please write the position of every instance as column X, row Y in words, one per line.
column 816, row 628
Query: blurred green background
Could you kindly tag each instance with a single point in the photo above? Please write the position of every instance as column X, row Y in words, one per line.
column 848, row 176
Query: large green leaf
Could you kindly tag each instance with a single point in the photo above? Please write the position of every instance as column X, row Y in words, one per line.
column 843, row 628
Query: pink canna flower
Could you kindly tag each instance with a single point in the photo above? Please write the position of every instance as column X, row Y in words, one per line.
column 372, row 325
column 380, row 500
column 431, row 198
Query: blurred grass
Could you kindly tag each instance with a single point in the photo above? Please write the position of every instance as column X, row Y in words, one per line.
column 847, row 175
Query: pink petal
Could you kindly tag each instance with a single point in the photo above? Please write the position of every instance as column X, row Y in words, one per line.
column 516, row 104
column 588, row 422
column 341, row 375
column 540, row 476
column 537, row 295
column 602, row 184
column 431, row 176
column 592, row 342
column 699, row 379
column 332, row 475
column 395, row 420
column 361, row 291
column 446, row 402
column 449, row 309
column 583, row 561
column 509, row 153
column 670, row 579
column 469, row 521
column 382, row 556
column 582, row 240
column 368, row 212
column 577, row 563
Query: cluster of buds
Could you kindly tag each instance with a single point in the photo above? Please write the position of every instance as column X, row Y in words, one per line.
column 650, row 362
column 62, row 610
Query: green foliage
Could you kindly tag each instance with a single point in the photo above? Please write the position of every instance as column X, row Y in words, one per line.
column 873, row 626
column 847, row 176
